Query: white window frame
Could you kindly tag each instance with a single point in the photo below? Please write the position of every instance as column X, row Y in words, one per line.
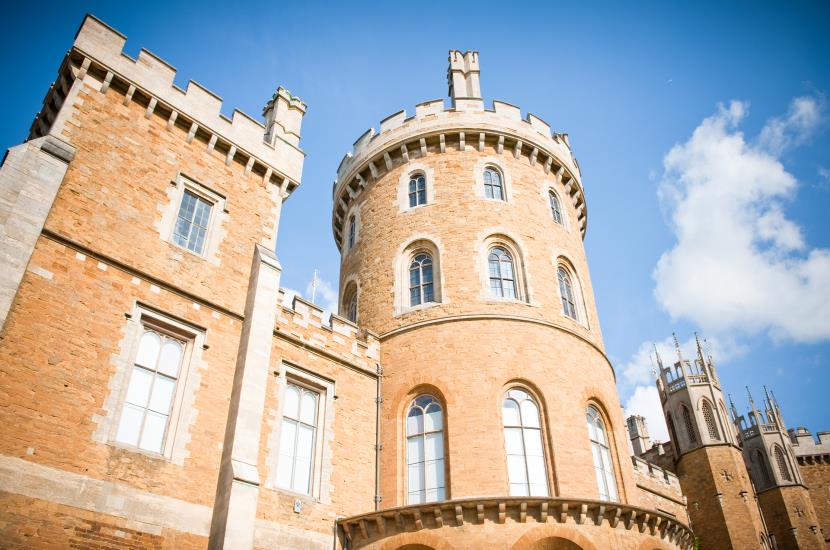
column 502, row 240
column 320, row 478
column 418, row 244
column 523, row 426
column 609, row 471
column 422, row 435
column 176, row 436
column 214, row 232
column 497, row 164
column 413, row 170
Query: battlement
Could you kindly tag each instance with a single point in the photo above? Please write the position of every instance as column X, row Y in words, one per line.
column 436, row 127
column 804, row 444
column 651, row 471
column 302, row 322
column 97, row 52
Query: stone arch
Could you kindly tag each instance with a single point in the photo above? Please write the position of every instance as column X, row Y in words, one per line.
column 419, row 540
column 565, row 263
column 415, row 244
column 654, row 544
column 501, row 239
column 553, row 537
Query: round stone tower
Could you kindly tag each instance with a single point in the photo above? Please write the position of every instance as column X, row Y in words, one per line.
column 461, row 235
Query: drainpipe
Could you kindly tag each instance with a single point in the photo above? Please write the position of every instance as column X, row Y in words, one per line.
column 378, row 447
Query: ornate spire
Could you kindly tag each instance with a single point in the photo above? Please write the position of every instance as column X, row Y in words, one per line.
column 677, row 347
column 657, row 355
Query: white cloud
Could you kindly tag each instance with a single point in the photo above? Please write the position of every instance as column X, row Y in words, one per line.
column 645, row 401
column 325, row 296
column 782, row 133
column 739, row 265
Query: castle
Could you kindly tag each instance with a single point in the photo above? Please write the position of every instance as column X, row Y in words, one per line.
column 160, row 392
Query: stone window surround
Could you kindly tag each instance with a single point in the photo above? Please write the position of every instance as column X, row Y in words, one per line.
column 547, row 445
column 218, row 215
column 183, row 413
column 321, row 467
column 478, row 176
column 414, row 245
column 349, row 283
column 548, row 187
column 414, row 169
column 612, row 444
column 354, row 211
column 494, row 238
column 563, row 261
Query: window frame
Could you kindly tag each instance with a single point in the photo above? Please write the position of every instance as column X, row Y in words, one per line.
column 416, row 194
column 421, row 285
column 192, row 337
column 500, row 239
column 421, row 244
column 350, row 297
column 501, row 187
column 284, row 418
column 504, row 251
column 411, row 401
column 608, row 447
column 505, row 395
column 218, row 207
column 351, row 232
column 571, row 301
column 319, row 478
column 554, row 196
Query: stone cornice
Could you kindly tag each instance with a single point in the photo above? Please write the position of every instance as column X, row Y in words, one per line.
column 374, row 526
column 433, row 126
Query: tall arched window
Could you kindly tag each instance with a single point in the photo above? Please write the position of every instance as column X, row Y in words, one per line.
column 566, row 290
column 420, row 280
column 417, row 190
column 523, row 443
column 603, row 466
column 760, row 465
column 425, row 450
column 709, row 418
column 782, row 463
column 502, row 273
column 687, row 422
column 493, row 188
column 555, row 207
column 352, row 231
column 350, row 302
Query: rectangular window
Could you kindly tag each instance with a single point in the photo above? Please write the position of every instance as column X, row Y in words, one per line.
column 147, row 407
column 298, row 439
column 192, row 222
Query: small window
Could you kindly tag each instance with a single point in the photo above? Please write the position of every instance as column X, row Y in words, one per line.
column 603, row 466
column 502, row 273
column 555, row 208
column 782, row 464
column 709, row 419
column 566, row 290
column 425, row 451
column 687, row 422
column 298, row 439
column 417, row 190
column 352, row 232
column 526, row 470
column 147, row 408
column 350, row 302
column 420, row 280
column 493, row 188
column 192, row 222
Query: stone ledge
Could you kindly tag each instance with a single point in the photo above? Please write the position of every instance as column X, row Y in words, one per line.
column 374, row 526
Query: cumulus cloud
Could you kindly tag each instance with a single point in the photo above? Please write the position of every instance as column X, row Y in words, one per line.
column 645, row 401
column 739, row 265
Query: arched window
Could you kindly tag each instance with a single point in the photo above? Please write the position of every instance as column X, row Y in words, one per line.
column 352, row 231
column 760, row 465
column 523, row 443
column 502, row 273
column 687, row 422
column 725, row 416
column 672, row 433
column 782, row 463
column 555, row 207
column 297, row 439
column 425, row 450
column 420, row 280
column 417, row 190
column 493, row 188
column 709, row 418
column 603, row 466
column 350, row 303
column 566, row 290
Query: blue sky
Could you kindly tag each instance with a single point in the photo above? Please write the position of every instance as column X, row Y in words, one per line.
column 732, row 198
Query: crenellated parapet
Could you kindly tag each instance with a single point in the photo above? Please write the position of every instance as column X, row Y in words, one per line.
column 647, row 470
column 97, row 55
column 435, row 128
column 806, row 448
column 304, row 323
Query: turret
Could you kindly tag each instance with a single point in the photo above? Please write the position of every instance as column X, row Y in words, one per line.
column 638, row 434
column 463, row 79
column 283, row 117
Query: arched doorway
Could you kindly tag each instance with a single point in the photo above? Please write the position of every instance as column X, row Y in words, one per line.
column 554, row 543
